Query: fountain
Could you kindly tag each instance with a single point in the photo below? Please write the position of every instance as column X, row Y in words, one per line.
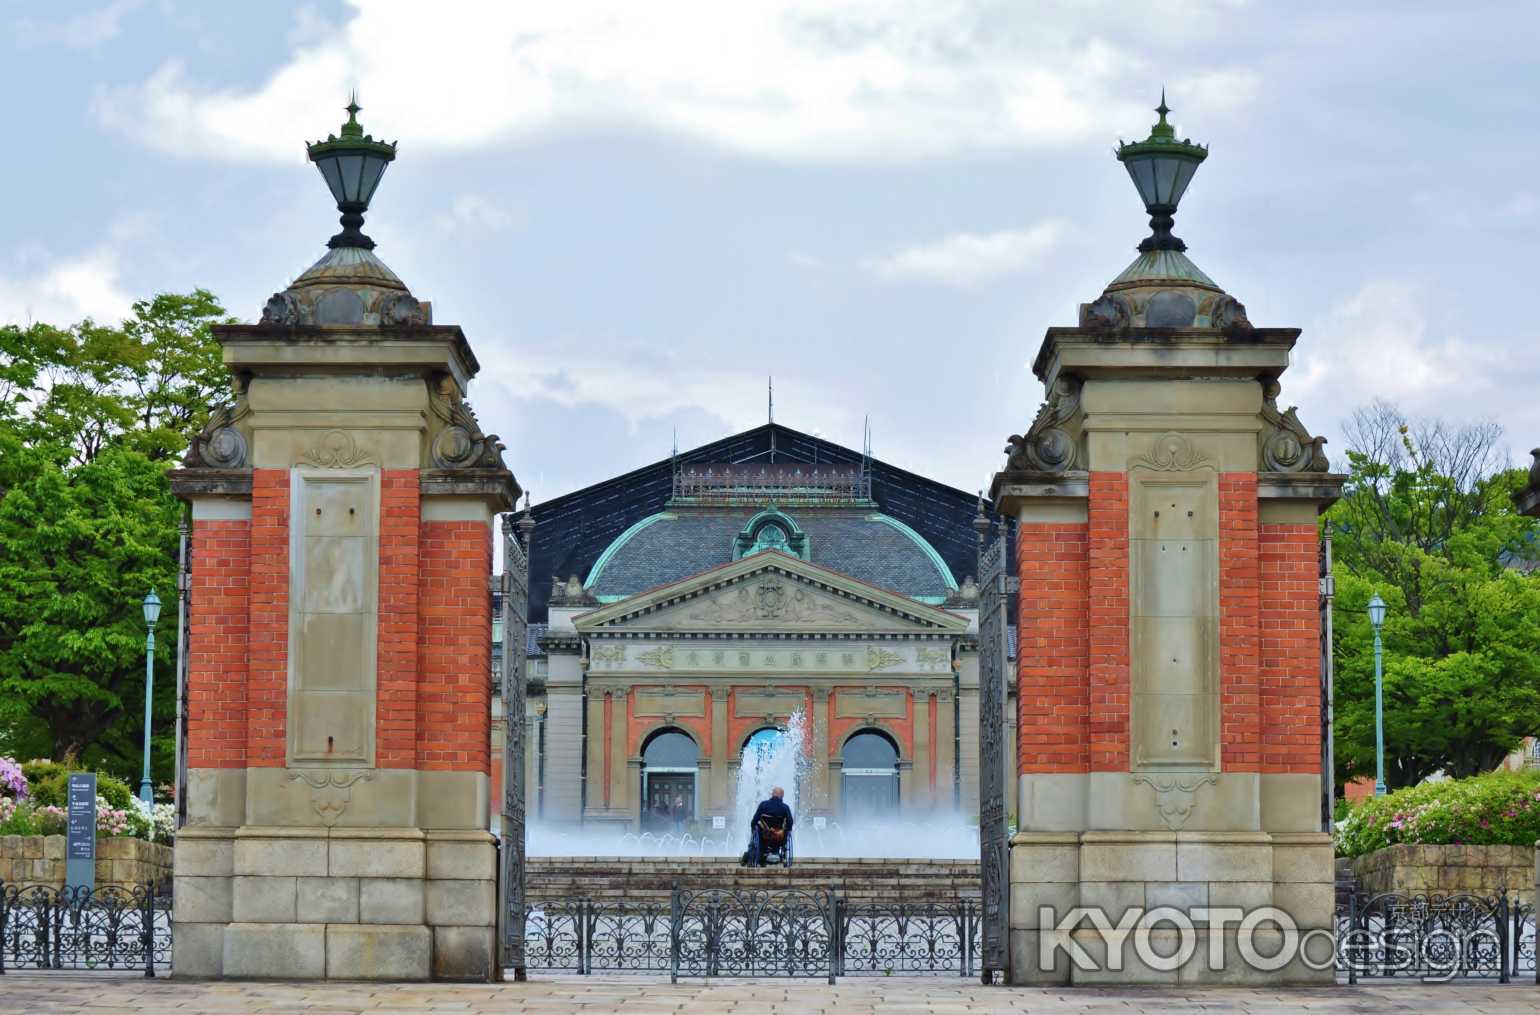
column 770, row 759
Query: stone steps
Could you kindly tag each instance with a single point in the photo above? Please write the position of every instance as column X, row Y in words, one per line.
column 554, row 879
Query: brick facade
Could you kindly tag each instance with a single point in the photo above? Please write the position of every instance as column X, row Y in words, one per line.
column 395, row 723
column 454, row 641
column 1052, row 648
column 1290, row 675
column 1107, row 609
column 218, row 619
column 267, row 686
column 1239, row 624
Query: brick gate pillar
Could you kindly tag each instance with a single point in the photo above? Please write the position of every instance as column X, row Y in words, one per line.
column 339, row 645
column 1168, row 644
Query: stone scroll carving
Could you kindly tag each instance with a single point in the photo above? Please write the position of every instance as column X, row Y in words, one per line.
column 1051, row 443
column 337, row 449
column 220, row 445
column 1175, row 796
column 1173, row 452
column 1288, row 446
column 459, row 442
column 783, row 601
column 330, row 792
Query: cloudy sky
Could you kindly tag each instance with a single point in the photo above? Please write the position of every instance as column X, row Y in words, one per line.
column 638, row 211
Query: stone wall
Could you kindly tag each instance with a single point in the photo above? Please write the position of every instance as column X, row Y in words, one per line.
column 1480, row 870
column 120, row 861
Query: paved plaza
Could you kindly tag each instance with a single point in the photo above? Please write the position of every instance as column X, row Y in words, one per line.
column 99, row 993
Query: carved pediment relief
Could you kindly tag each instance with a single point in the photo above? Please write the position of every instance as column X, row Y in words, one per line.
column 770, row 597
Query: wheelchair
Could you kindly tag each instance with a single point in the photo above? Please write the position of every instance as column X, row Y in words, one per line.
column 768, row 846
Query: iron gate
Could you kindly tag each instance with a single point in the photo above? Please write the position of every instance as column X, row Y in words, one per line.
column 994, row 849
column 515, row 589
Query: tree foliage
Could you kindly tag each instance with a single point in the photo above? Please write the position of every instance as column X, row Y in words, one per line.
column 1426, row 521
column 90, row 418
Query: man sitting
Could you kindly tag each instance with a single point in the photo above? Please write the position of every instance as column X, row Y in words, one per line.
column 770, row 832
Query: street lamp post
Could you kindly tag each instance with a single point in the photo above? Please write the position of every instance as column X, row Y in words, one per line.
column 1376, row 618
column 151, row 615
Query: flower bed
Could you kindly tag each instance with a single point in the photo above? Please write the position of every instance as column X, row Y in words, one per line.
column 32, row 798
column 1498, row 809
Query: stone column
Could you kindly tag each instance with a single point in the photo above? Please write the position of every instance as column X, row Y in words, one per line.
column 598, row 739
column 721, row 768
column 1167, row 672
column 946, row 760
column 619, row 762
column 820, row 736
column 340, row 642
column 920, row 791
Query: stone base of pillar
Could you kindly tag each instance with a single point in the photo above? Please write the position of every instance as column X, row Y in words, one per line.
column 1145, row 907
column 262, row 902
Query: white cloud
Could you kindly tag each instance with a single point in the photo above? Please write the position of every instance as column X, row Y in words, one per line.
column 64, row 290
column 787, row 78
column 86, row 30
column 968, row 259
column 480, row 212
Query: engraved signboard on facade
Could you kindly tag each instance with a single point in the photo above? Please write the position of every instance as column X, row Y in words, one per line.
column 766, row 702
column 877, row 703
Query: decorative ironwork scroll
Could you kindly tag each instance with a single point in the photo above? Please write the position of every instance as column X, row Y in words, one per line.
column 515, row 596
column 77, row 928
column 994, row 849
column 1435, row 938
column 753, row 933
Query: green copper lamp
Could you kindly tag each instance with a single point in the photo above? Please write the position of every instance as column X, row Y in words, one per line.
column 1161, row 167
column 352, row 164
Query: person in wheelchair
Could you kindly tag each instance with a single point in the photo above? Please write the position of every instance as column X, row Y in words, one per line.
column 770, row 832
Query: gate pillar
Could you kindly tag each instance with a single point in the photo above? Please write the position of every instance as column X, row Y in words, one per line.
column 1168, row 663
column 338, row 689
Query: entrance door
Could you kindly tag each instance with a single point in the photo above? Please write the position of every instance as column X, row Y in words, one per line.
column 670, row 801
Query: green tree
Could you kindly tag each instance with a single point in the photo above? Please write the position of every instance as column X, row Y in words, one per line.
column 90, row 417
column 1426, row 521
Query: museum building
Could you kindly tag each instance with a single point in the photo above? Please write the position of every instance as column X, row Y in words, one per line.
column 688, row 609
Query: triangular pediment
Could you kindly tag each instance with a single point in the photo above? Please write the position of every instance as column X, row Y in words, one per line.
column 770, row 593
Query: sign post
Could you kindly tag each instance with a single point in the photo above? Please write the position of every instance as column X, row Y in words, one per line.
column 80, row 845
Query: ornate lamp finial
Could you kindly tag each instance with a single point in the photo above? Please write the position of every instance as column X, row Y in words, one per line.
column 1161, row 168
column 352, row 163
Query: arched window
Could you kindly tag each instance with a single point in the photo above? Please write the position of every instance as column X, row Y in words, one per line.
column 869, row 775
column 764, row 740
column 669, row 765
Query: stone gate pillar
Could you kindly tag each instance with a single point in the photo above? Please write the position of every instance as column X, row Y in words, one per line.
column 340, row 636
column 1168, row 652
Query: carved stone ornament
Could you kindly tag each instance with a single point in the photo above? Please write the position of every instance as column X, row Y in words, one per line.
column 932, row 656
column 881, row 658
column 401, row 310
column 337, row 449
column 1288, row 446
column 1051, row 443
column 219, row 445
column 662, row 657
column 1173, row 452
column 285, row 310
column 610, row 654
column 1176, row 796
column 330, row 792
column 1229, row 316
column 771, row 599
column 1108, row 315
column 459, row 443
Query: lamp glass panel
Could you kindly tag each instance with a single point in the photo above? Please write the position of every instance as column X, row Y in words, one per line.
column 1165, row 178
column 1184, row 171
column 151, row 611
column 1143, row 175
column 374, row 168
column 327, row 164
column 351, row 167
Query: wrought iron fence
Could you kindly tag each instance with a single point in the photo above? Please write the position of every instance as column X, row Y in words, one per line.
column 754, row 933
column 79, row 928
column 1436, row 937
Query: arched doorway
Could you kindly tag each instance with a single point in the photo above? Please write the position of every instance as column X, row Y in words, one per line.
column 869, row 775
column 669, row 765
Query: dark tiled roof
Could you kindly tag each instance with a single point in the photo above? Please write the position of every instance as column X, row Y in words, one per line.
column 572, row 531
column 849, row 540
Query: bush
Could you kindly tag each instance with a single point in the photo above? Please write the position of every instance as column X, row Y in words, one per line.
column 41, row 768
column 115, row 791
column 13, row 779
column 51, row 785
column 1498, row 809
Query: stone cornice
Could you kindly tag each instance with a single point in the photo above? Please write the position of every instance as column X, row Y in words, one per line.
column 497, row 486
column 1010, row 486
column 1323, row 488
column 343, row 349
column 1163, row 352
column 190, row 483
